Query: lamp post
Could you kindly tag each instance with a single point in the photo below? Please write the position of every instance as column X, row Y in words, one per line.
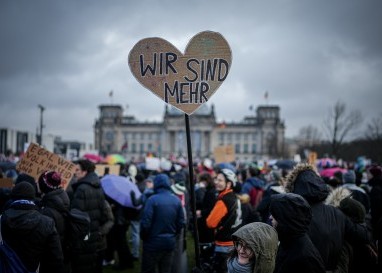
column 42, row 108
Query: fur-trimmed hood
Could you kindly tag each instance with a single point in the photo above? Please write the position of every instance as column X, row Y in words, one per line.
column 305, row 181
column 336, row 196
column 244, row 198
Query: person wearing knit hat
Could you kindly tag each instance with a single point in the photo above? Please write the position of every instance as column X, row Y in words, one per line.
column 55, row 204
column 364, row 255
column 327, row 221
column 178, row 188
column 49, row 181
column 23, row 177
column 358, row 193
column 5, row 192
column 30, row 234
column 23, row 191
column 375, row 170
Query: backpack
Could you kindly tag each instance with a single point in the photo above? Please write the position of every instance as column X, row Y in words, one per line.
column 256, row 195
column 9, row 261
column 77, row 226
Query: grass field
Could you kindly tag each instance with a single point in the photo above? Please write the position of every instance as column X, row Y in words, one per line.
column 137, row 265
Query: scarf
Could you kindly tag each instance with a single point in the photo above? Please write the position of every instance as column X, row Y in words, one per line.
column 234, row 266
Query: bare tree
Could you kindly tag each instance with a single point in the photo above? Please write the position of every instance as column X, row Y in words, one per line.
column 309, row 136
column 339, row 124
column 374, row 129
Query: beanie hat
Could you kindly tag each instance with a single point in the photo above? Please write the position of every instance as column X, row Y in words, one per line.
column 178, row 188
column 49, row 181
column 179, row 177
column 375, row 170
column 349, row 177
column 23, row 190
column 23, row 177
column 353, row 209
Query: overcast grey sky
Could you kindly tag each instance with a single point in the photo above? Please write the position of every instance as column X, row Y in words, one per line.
column 68, row 55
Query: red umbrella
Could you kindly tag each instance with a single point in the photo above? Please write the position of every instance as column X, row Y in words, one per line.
column 93, row 158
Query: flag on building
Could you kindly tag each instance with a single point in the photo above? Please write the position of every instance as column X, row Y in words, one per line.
column 124, row 146
column 111, row 93
column 266, row 95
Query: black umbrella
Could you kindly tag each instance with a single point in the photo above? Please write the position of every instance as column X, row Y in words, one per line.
column 7, row 165
column 285, row 164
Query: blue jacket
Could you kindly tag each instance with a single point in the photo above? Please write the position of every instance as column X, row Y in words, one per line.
column 162, row 218
column 251, row 183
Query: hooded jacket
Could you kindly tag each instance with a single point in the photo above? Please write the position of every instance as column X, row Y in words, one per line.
column 327, row 222
column 162, row 217
column 263, row 240
column 32, row 236
column 296, row 251
column 89, row 197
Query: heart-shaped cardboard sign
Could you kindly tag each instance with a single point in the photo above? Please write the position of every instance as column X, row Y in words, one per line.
column 186, row 81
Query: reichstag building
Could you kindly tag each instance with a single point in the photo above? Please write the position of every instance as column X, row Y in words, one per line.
column 257, row 136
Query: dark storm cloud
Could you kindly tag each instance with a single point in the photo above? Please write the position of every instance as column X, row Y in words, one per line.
column 68, row 55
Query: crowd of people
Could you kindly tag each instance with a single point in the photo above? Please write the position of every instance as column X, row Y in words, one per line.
column 249, row 218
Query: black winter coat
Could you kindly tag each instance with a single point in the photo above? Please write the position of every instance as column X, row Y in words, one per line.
column 32, row 236
column 58, row 201
column 329, row 226
column 56, row 204
column 89, row 197
column 375, row 201
column 296, row 252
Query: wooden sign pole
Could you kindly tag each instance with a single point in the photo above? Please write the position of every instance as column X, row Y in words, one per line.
column 192, row 191
column 185, row 81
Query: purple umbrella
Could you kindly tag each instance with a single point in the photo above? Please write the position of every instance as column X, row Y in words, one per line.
column 119, row 188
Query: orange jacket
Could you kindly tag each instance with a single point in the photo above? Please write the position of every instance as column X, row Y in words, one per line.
column 216, row 215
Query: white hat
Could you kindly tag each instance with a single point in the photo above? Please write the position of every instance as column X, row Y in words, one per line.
column 178, row 188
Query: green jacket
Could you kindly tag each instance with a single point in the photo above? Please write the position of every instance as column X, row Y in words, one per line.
column 263, row 240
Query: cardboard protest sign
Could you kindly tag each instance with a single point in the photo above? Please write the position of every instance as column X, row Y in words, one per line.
column 224, row 154
column 152, row 163
column 6, row 183
column 102, row 169
column 186, row 81
column 38, row 160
